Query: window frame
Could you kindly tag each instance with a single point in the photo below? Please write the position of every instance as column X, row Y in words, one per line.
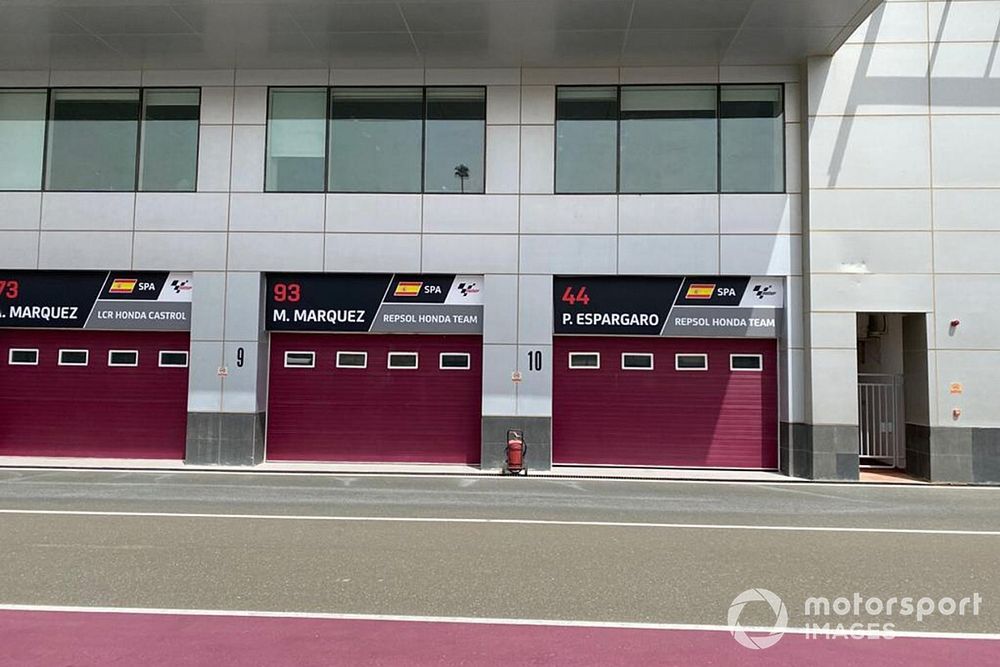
column 48, row 90
column 466, row 367
column 584, row 354
column 760, row 362
column 392, row 355
column 45, row 132
column 326, row 140
column 159, row 359
column 784, row 138
column 718, row 142
column 86, row 357
column 327, row 136
column 618, row 141
column 648, row 355
column 678, row 355
column 112, row 364
column 139, row 144
column 10, row 356
column 138, row 135
column 337, row 363
column 312, row 359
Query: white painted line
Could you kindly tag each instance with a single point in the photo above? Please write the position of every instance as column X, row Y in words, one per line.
column 569, row 623
column 515, row 522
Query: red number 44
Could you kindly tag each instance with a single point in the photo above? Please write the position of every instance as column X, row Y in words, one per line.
column 581, row 296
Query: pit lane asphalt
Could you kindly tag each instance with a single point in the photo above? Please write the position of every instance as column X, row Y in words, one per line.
column 303, row 557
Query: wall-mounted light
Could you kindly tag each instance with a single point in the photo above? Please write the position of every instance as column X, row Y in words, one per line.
column 956, row 413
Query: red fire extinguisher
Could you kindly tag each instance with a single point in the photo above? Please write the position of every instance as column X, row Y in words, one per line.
column 516, row 450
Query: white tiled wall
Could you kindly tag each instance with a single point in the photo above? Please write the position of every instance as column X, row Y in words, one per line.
column 904, row 188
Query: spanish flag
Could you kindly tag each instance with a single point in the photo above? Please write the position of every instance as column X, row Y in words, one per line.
column 123, row 285
column 407, row 289
column 700, row 291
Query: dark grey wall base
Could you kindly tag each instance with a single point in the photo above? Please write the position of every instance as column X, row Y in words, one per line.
column 228, row 439
column 795, row 449
column 827, row 451
column 918, row 451
column 537, row 435
column 953, row 454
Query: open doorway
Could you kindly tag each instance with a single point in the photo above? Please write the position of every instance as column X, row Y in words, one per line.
column 892, row 392
column 881, row 403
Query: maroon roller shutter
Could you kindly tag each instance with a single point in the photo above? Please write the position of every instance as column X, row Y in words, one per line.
column 325, row 413
column 664, row 417
column 93, row 410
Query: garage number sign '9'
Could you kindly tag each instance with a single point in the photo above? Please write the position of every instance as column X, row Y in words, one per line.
column 377, row 303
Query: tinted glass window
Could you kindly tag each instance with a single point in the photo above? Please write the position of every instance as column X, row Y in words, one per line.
column 753, row 139
column 22, row 139
column 455, row 140
column 691, row 362
column 123, row 358
column 584, row 360
column 668, row 139
column 745, row 362
column 300, row 359
column 637, row 361
column 402, row 360
column 23, row 357
column 92, row 140
column 73, row 357
column 352, row 359
column 296, row 140
column 169, row 140
column 174, row 359
column 455, row 360
column 376, row 138
column 587, row 139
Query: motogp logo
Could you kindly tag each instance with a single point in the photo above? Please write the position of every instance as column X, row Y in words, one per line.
column 180, row 286
column 761, row 291
column 468, row 288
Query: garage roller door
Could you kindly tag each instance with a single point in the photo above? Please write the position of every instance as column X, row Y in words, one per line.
column 665, row 402
column 109, row 394
column 375, row 397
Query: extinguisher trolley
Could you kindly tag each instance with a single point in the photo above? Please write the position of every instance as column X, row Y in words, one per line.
column 515, row 453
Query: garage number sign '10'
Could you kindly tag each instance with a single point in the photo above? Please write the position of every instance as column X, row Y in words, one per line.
column 704, row 306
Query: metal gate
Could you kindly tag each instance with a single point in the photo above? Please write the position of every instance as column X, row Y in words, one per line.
column 880, row 420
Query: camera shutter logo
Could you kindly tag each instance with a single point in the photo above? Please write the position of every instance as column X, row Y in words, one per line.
column 777, row 631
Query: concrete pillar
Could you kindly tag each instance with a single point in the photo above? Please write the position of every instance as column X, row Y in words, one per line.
column 830, row 449
column 517, row 322
column 227, row 393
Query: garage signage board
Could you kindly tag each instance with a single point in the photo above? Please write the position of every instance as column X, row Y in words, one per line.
column 110, row 300
column 375, row 303
column 702, row 306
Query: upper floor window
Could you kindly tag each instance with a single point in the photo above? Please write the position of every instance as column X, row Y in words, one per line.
column 364, row 139
column 376, row 139
column 99, row 140
column 169, row 156
column 670, row 139
column 753, row 138
column 587, row 139
column 296, row 134
column 22, row 139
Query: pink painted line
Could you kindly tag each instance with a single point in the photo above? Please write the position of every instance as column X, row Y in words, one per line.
column 45, row 639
